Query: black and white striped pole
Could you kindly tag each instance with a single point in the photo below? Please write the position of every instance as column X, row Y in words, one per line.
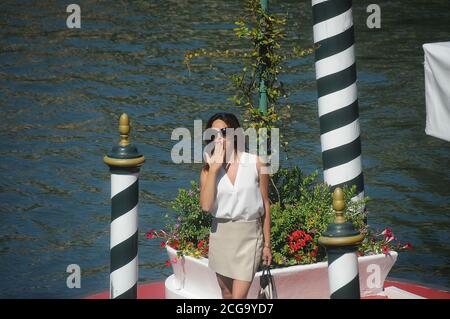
column 337, row 93
column 341, row 243
column 124, row 162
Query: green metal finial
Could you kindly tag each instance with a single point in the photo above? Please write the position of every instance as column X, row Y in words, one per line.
column 341, row 232
column 125, row 154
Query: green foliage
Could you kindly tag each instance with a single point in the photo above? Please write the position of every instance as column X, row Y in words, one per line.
column 194, row 224
column 264, row 32
column 289, row 185
column 305, row 205
column 263, row 60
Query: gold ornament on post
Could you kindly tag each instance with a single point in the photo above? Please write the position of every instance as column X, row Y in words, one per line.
column 124, row 154
column 339, row 205
column 124, row 129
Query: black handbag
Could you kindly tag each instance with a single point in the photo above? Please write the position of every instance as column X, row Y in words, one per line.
column 267, row 290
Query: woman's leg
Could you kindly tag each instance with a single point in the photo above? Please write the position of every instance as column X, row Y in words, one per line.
column 226, row 285
column 240, row 289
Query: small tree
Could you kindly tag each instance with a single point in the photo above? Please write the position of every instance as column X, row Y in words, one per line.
column 263, row 60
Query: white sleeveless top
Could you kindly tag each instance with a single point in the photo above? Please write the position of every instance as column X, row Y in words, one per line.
column 244, row 199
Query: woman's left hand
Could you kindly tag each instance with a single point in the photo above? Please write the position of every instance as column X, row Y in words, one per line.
column 267, row 256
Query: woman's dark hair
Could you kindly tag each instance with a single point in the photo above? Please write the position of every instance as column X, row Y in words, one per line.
column 232, row 122
column 229, row 118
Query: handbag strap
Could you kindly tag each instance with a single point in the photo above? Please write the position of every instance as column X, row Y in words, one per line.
column 265, row 276
column 266, row 270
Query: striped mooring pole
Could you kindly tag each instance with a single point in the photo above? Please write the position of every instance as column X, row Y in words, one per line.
column 341, row 243
column 337, row 93
column 124, row 162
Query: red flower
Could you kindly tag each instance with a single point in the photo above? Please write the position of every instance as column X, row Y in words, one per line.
column 386, row 250
column 167, row 264
column 292, row 246
column 163, row 244
column 388, row 239
column 387, row 232
column 299, row 242
column 314, row 252
column 151, row 233
column 175, row 244
column 296, row 235
column 302, row 243
column 407, row 246
column 201, row 243
column 388, row 235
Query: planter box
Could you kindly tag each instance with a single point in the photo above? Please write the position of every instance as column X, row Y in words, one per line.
column 192, row 278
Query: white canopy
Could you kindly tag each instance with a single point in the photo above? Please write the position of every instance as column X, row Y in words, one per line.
column 437, row 89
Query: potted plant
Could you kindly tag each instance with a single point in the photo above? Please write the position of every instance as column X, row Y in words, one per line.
column 301, row 210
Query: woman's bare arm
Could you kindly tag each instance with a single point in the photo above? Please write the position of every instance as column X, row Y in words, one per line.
column 207, row 189
column 264, row 187
column 208, row 177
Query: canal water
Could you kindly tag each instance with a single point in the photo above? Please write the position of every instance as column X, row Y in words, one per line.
column 62, row 91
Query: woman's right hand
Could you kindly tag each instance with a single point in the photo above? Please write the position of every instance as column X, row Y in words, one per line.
column 217, row 159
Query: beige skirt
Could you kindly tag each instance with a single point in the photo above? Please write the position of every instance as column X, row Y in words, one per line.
column 235, row 248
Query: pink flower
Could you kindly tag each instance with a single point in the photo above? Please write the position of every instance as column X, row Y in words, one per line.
column 150, row 234
column 387, row 232
column 167, row 264
column 407, row 246
column 388, row 235
column 161, row 233
column 163, row 244
column 388, row 239
column 174, row 260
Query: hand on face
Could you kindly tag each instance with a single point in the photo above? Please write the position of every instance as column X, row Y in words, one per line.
column 217, row 158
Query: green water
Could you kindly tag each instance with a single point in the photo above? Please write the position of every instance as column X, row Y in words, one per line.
column 62, row 92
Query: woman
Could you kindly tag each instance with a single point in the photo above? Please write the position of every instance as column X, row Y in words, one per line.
column 235, row 191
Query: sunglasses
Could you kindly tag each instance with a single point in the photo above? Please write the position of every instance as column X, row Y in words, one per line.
column 223, row 132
